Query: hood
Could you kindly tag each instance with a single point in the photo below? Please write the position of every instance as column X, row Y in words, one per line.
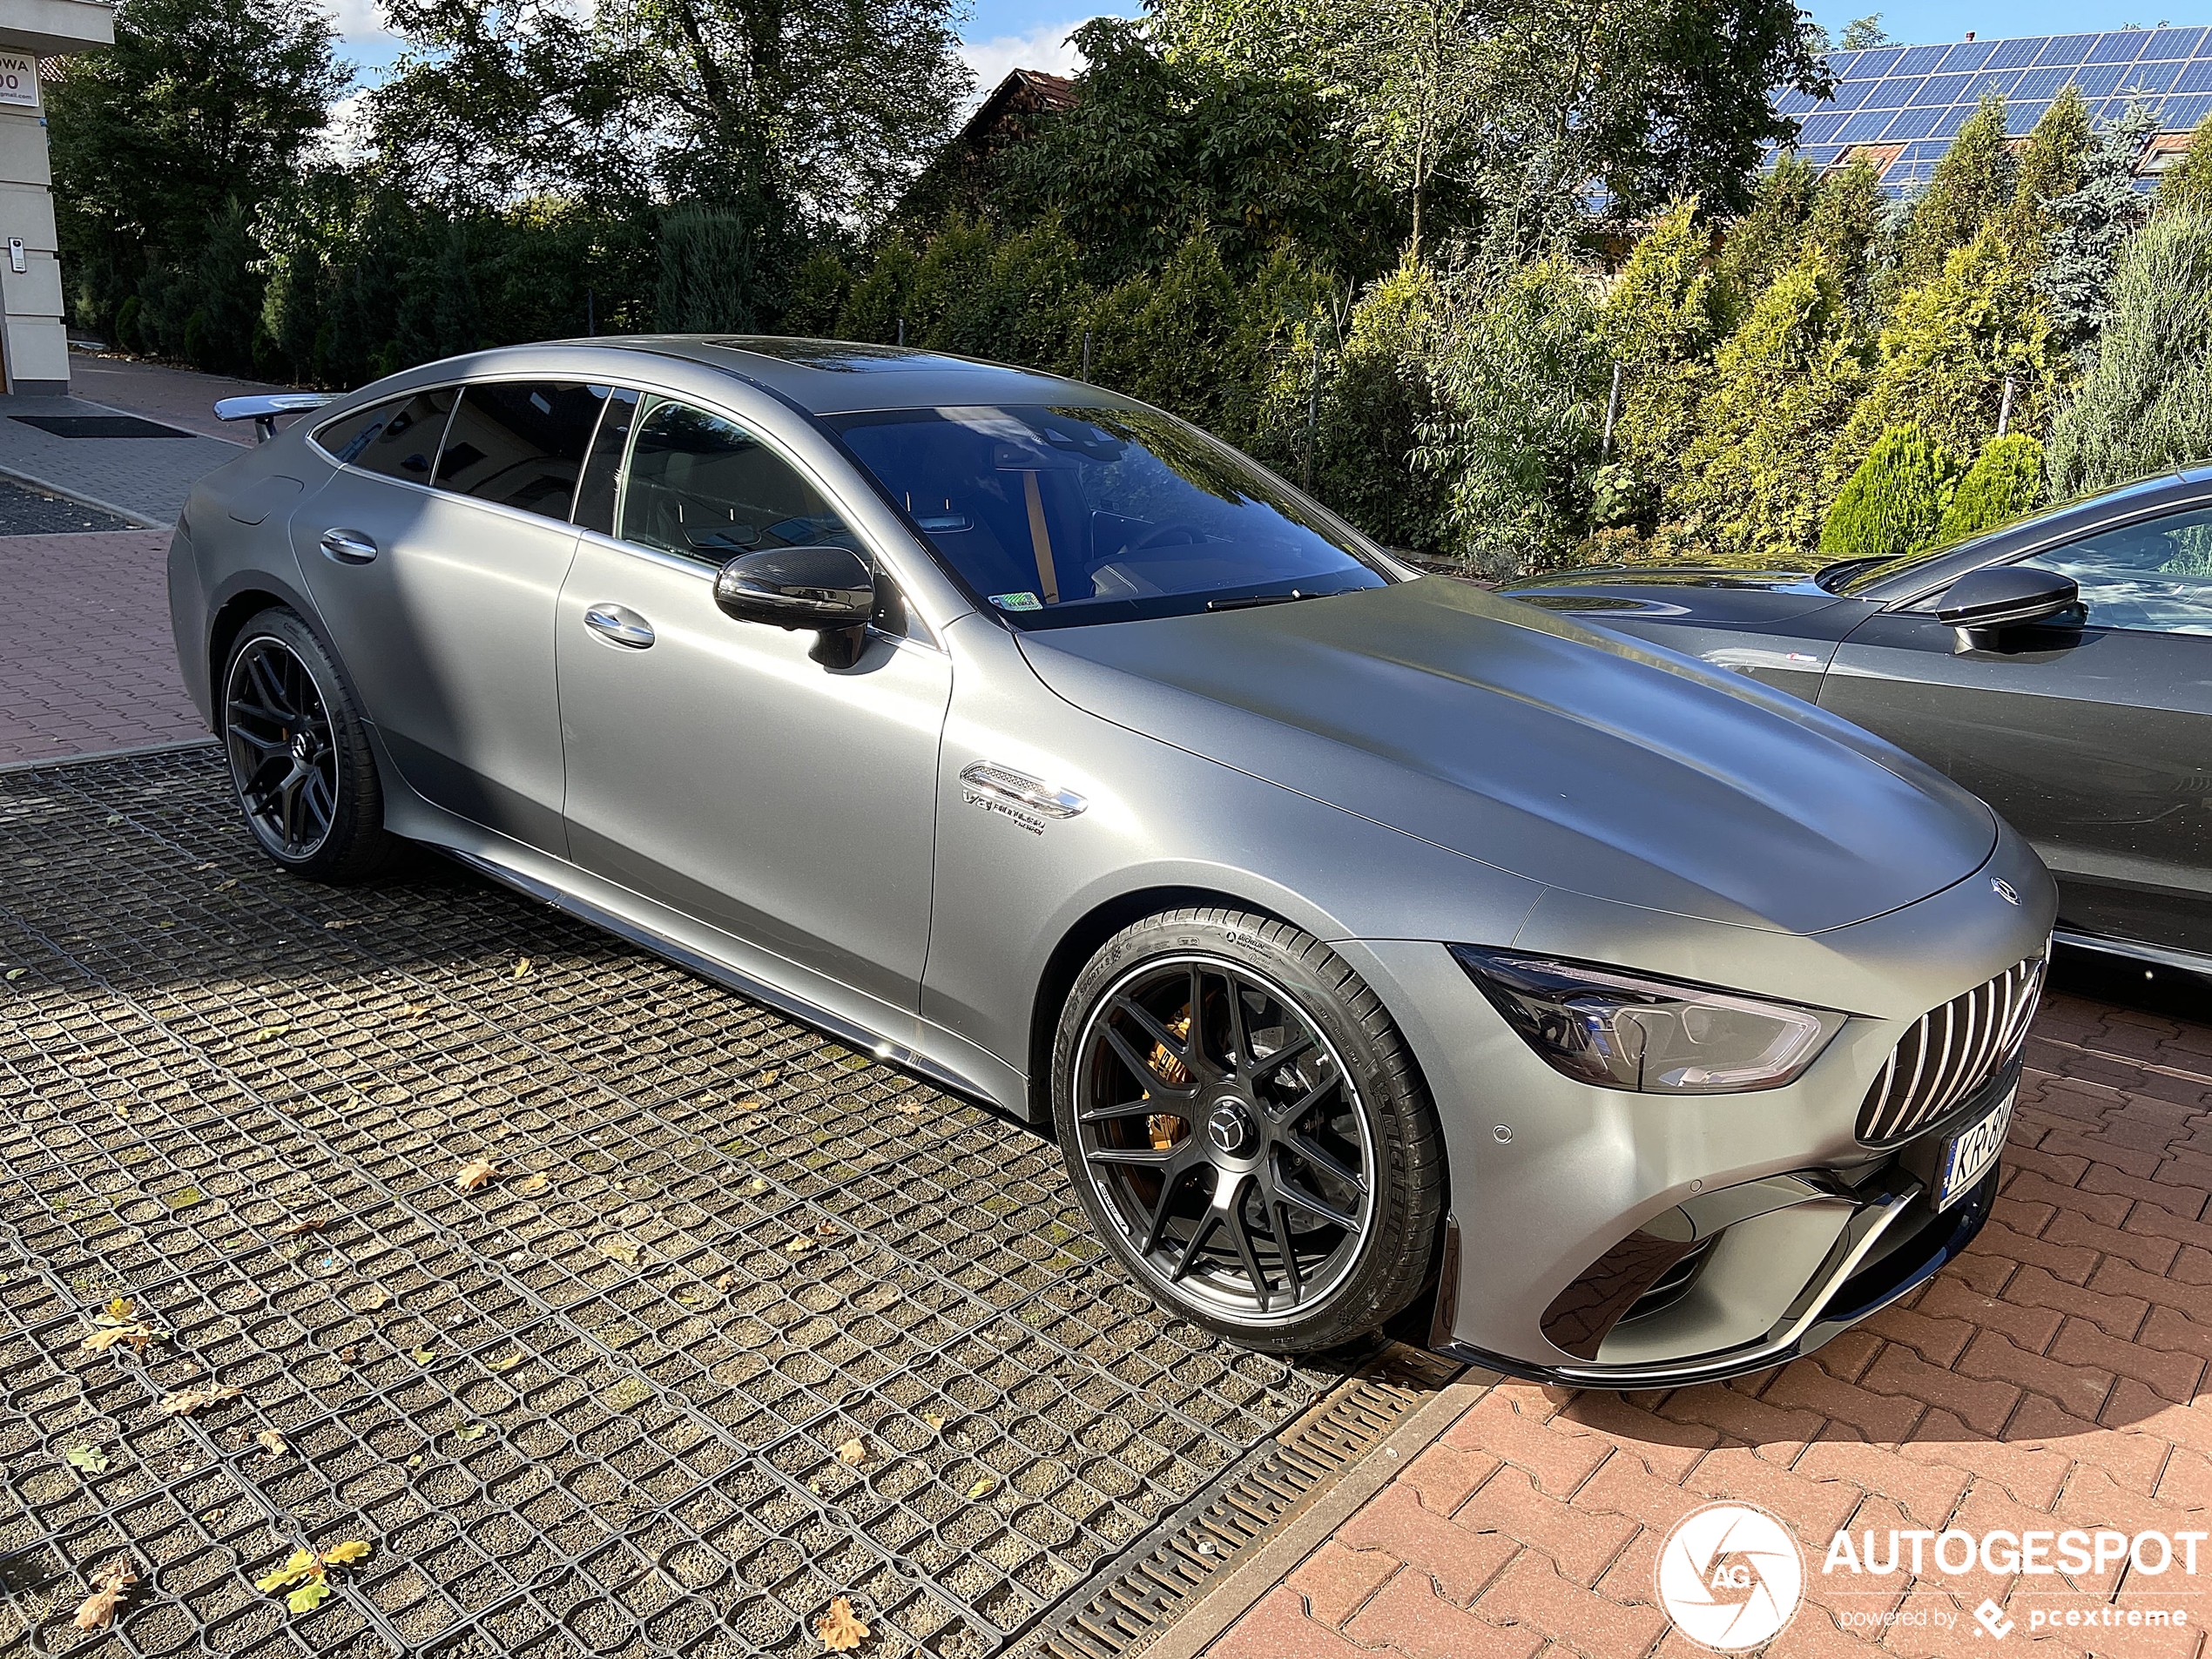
column 1515, row 736
column 1737, row 598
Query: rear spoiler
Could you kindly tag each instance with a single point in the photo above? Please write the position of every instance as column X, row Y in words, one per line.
column 263, row 407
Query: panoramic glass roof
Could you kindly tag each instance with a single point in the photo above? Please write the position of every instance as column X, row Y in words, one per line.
column 1917, row 97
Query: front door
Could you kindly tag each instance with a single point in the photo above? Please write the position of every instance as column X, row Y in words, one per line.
column 435, row 558
column 714, row 765
column 2096, row 743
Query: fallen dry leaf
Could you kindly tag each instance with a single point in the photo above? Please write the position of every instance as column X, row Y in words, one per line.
column 183, row 1402
column 293, row 1230
column 370, row 1299
column 90, row 1459
column 110, row 1585
column 508, row 1364
column 622, row 1250
column 272, row 1442
column 913, row 1108
column 522, row 969
column 333, row 926
column 981, row 1487
column 725, row 1281
column 476, row 1173
column 840, row 1629
column 798, row 1247
column 121, row 1311
column 854, row 1451
column 100, row 1341
column 531, row 1185
column 936, row 1420
column 828, row 1230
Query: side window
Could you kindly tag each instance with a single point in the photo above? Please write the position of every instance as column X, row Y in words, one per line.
column 594, row 497
column 701, row 485
column 521, row 443
column 396, row 440
column 2154, row 577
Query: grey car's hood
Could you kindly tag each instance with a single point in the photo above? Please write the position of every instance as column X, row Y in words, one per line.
column 1514, row 736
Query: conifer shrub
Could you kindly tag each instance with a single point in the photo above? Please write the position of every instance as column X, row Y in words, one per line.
column 2003, row 485
column 1894, row 502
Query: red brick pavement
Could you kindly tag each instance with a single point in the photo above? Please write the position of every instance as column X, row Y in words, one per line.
column 2050, row 1378
column 88, row 664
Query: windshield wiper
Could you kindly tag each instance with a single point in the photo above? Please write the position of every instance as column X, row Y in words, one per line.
column 1246, row 601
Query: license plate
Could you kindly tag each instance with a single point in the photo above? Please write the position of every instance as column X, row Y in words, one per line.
column 1970, row 1153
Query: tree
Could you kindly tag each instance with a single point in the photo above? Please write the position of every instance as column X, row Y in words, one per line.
column 1848, row 216
column 1894, row 500
column 1660, row 324
column 1520, row 381
column 1780, row 386
column 2050, row 169
column 2187, row 186
column 1766, row 239
column 2145, row 401
column 1946, row 353
column 798, row 113
column 1975, row 180
column 1864, row 34
column 2094, row 222
column 1153, row 151
column 1507, row 100
column 199, row 104
column 2005, row 483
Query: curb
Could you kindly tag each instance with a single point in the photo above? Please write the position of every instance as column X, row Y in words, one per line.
column 46, row 763
column 137, row 519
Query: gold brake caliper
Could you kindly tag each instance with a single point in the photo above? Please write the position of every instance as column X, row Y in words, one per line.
column 1164, row 1127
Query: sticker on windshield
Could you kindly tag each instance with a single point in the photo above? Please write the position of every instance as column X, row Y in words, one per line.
column 1016, row 602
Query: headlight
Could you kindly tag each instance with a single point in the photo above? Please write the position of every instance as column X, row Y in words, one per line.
column 1620, row 1031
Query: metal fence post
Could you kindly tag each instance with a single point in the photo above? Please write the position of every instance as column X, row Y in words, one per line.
column 902, row 331
column 1312, row 416
column 1086, row 353
column 1612, row 414
column 2004, row 408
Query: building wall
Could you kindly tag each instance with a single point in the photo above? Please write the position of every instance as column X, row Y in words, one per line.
column 34, row 346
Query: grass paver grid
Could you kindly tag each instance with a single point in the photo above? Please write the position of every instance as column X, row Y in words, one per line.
column 554, row 1449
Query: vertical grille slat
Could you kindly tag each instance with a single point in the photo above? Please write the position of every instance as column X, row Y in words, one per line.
column 1949, row 1053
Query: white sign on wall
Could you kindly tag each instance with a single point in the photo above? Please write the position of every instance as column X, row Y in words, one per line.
column 18, row 78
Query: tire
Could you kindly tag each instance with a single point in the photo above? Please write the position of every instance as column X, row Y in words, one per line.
column 300, row 767
column 1294, row 1201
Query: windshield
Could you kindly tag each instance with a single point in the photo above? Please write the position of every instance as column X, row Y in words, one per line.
column 1068, row 515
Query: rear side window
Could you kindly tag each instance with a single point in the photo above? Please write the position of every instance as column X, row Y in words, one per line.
column 521, row 443
column 395, row 440
column 700, row 484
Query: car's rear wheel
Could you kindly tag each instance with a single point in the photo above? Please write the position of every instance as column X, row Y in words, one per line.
column 299, row 761
column 1248, row 1131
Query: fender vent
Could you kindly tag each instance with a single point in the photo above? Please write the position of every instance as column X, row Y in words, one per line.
column 1949, row 1053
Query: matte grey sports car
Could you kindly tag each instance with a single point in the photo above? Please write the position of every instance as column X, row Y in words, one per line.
column 2060, row 667
column 1380, row 950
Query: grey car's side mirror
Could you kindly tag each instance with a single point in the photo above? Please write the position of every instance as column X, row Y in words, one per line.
column 830, row 590
column 2008, row 596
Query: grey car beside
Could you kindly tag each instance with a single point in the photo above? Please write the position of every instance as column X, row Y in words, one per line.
column 1380, row 951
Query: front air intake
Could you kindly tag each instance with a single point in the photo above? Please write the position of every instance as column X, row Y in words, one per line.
column 1949, row 1053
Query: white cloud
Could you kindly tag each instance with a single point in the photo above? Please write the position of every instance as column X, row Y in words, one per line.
column 1044, row 47
column 357, row 19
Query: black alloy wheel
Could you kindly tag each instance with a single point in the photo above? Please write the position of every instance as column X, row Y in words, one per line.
column 1218, row 1125
column 282, row 760
column 299, row 757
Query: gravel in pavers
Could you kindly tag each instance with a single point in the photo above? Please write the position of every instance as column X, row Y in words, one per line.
column 605, row 1404
column 26, row 511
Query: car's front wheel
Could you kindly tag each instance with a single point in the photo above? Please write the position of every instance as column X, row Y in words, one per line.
column 1247, row 1130
column 300, row 760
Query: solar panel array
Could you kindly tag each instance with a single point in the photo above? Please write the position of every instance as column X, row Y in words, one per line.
column 1920, row 97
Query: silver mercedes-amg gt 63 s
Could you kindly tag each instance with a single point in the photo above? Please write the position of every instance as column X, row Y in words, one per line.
column 1381, row 952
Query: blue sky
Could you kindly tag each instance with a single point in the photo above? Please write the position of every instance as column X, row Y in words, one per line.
column 1005, row 34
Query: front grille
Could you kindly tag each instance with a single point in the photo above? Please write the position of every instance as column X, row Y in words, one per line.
column 1950, row 1052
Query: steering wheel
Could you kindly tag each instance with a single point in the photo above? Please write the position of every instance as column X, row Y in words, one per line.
column 1177, row 532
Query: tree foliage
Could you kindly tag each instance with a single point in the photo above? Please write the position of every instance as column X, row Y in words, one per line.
column 1894, row 501
column 1974, row 182
column 2187, row 186
column 2081, row 251
column 2146, row 402
column 2005, row 483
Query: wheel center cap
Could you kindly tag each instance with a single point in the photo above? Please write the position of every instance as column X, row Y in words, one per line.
column 303, row 745
column 1230, row 1128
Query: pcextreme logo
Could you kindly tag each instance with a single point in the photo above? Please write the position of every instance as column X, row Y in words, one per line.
column 1730, row 1576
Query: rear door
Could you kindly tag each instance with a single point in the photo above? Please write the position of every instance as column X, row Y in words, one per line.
column 2096, row 743
column 435, row 556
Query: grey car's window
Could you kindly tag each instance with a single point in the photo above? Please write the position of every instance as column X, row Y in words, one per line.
column 520, row 443
column 594, row 496
column 2154, row 577
column 1083, row 514
column 697, row 483
column 398, row 440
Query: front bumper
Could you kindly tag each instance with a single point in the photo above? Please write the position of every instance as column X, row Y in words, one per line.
column 1891, row 1242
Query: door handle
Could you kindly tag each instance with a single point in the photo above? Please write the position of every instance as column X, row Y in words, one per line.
column 619, row 625
column 347, row 547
